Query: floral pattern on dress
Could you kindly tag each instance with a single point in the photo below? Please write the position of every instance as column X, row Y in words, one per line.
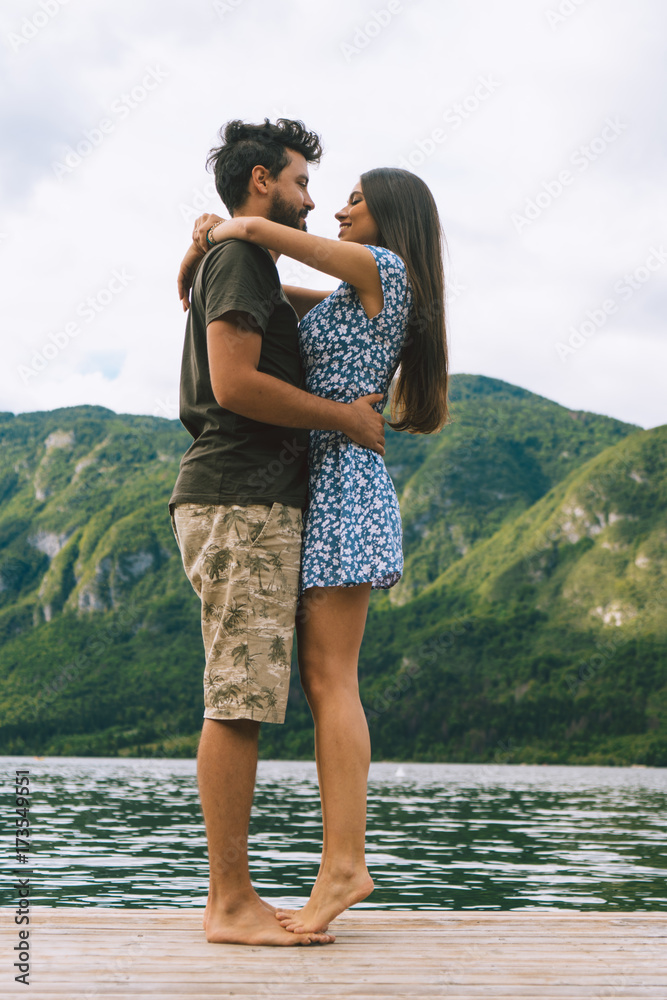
column 353, row 523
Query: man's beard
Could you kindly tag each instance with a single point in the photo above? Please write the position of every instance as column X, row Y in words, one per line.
column 287, row 215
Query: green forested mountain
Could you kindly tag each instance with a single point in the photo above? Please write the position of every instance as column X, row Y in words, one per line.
column 529, row 625
column 504, row 449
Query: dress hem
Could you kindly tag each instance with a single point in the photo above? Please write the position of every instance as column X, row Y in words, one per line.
column 379, row 583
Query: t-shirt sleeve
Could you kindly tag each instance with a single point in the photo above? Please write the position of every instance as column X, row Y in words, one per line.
column 240, row 278
column 394, row 278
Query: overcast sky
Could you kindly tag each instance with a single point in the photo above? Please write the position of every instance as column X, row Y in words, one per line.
column 538, row 124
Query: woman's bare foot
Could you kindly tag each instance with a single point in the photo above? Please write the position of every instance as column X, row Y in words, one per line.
column 271, row 909
column 330, row 896
column 249, row 921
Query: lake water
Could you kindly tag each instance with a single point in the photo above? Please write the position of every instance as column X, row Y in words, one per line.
column 129, row 832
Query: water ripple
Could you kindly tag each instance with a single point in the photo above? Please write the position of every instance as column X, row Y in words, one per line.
column 118, row 832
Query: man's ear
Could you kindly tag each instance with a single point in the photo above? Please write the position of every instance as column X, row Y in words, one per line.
column 259, row 180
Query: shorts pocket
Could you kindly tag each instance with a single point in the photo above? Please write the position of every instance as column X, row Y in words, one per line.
column 173, row 527
column 263, row 531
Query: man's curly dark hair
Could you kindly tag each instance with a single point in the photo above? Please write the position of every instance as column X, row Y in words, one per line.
column 244, row 146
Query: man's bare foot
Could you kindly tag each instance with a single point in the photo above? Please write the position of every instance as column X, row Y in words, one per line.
column 271, row 909
column 248, row 921
column 330, row 896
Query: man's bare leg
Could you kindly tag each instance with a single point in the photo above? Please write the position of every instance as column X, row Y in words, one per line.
column 330, row 627
column 226, row 769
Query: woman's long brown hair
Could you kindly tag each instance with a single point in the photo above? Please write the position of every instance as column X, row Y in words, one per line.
column 405, row 212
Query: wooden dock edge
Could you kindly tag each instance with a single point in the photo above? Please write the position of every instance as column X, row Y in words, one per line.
column 87, row 953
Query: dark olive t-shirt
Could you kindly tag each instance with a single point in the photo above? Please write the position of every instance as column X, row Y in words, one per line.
column 234, row 459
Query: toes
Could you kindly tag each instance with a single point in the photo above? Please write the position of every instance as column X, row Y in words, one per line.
column 300, row 928
column 311, row 938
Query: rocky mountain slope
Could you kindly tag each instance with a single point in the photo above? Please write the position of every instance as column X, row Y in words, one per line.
column 529, row 624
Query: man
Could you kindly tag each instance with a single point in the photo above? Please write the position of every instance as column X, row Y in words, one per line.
column 237, row 503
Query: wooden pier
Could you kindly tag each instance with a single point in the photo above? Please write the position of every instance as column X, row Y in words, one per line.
column 88, row 953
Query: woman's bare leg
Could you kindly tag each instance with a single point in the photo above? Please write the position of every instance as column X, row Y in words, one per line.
column 330, row 627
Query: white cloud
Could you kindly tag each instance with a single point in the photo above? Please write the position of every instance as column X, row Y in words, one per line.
column 121, row 207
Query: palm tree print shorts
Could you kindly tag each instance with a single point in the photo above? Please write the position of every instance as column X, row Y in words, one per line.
column 243, row 563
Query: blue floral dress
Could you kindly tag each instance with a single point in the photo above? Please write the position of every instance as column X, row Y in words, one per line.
column 353, row 523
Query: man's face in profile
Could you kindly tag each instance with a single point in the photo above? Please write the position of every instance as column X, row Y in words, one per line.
column 290, row 201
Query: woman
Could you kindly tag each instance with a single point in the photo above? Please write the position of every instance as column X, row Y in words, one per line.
column 387, row 315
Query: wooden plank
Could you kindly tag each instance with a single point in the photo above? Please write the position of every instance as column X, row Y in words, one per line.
column 362, row 914
column 609, row 985
column 451, row 992
column 93, row 952
column 588, row 967
column 96, row 916
column 398, row 950
column 211, row 975
column 193, row 927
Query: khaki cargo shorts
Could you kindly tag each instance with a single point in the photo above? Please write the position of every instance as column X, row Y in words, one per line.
column 243, row 562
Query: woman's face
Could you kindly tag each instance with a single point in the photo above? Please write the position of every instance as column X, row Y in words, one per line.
column 357, row 225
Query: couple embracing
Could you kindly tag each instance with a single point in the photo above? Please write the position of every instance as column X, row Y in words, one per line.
column 283, row 510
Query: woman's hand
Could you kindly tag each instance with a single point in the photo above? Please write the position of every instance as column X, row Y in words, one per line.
column 197, row 250
column 186, row 275
column 202, row 226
